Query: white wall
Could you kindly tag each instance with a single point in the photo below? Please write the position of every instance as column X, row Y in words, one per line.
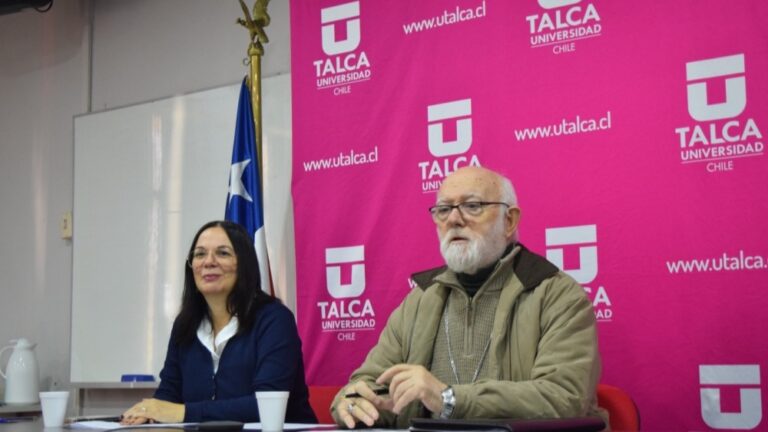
column 148, row 49
column 142, row 50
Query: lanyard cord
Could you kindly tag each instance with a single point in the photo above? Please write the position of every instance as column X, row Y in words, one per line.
column 450, row 353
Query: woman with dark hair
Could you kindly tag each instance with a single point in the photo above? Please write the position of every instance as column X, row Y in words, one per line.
column 229, row 340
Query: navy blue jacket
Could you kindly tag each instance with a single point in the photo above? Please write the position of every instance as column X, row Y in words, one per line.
column 268, row 357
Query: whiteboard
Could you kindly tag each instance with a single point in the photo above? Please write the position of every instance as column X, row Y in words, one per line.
column 147, row 177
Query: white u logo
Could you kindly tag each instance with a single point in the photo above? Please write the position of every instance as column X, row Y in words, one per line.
column 345, row 255
column 348, row 12
column 574, row 235
column 735, row 87
column 751, row 405
column 552, row 4
column 444, row 111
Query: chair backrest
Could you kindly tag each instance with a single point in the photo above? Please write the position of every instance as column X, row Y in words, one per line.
column 624, row 415
column 320, row 398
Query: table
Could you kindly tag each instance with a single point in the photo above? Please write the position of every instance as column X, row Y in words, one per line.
column 27, row 426
column 37, row 426
column 20, row 410
column 109, row 398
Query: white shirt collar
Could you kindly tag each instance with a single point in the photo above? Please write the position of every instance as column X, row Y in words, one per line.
column 216, row 346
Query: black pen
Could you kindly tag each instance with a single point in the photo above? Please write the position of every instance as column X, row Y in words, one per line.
column 379, row 392
column 114, row 419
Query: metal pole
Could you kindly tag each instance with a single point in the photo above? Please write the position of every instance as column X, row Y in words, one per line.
column 255, row 24
column 254, row 78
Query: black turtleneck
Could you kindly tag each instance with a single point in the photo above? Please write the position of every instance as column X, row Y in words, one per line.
column 473, row 282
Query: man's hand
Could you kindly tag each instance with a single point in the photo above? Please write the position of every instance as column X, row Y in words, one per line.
column 364, row 408
column 154, row 410
column 408, row 383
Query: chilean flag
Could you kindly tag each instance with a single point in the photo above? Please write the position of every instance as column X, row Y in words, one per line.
column 244, row 200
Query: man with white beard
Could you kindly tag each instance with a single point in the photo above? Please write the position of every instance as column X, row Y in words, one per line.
column 499, row 332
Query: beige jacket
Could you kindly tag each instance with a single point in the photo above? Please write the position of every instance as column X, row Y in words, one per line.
column 543, row 348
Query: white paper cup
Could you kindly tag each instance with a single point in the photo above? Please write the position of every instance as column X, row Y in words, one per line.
column 272, row 409
column 54, row 405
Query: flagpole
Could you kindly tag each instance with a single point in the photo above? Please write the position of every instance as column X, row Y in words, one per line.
column 255, row 24
column 254, row 81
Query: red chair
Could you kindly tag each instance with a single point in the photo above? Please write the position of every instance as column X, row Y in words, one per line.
column 320, row 398
column 624, row 415
column 623, row 412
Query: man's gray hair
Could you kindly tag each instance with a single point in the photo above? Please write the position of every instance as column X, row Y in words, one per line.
column 509, row 196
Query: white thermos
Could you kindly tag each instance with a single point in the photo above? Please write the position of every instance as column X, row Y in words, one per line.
column 22, row 374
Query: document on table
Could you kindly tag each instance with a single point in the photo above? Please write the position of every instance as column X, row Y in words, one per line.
column 297, row 427
column 317, row 428
column 106, row 425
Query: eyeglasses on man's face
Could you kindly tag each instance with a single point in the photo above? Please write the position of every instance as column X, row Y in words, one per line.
column 223, row 255
column 441, row 212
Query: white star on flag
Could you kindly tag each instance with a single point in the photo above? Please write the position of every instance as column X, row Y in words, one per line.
column 236, row 186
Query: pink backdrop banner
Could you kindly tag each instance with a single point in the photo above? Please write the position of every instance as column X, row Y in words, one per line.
column 634, row 135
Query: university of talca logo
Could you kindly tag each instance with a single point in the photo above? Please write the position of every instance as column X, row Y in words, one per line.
column 345, row 64
column 581, row 239
column 347, row 312
column 720, row 133
column 562, row 23
column 449, row 139
column 334, row 258
column 747, row 378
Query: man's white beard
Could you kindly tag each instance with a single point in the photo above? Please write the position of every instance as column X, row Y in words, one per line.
column 477, row 252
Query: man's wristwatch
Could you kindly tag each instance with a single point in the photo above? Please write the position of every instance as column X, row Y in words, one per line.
column 449, row 403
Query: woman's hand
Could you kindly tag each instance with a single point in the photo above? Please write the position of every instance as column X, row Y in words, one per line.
column 153, row 410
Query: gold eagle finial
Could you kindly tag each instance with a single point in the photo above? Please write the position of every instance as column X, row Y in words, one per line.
column 255, row 22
